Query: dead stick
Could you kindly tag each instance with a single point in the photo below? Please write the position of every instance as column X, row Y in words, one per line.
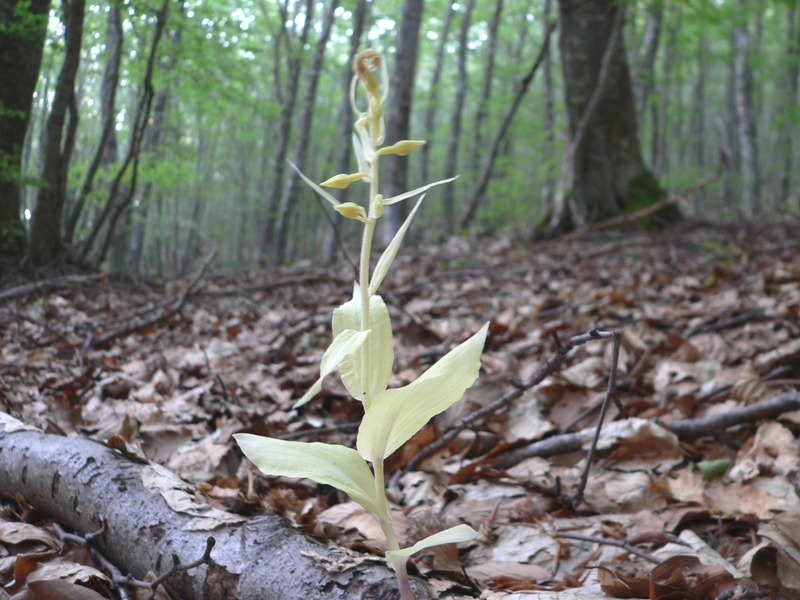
column 685, row 429
column 610, row 393
column 172, row 309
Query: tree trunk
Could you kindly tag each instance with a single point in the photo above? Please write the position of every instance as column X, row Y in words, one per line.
column 602, row 168
column 746, row 120
column 482, row 181
column 346, row 118
column 433, row 94
column 120, row 195
column 45, row 242
column 291, row 187
column 454, row 139
column 785, row 145
column 106, row 152
column 645, row 76
column 87, row 487
column 23, row 27
column 278, row 170
column 481, row 114
column 398, row 114
column 549, row 148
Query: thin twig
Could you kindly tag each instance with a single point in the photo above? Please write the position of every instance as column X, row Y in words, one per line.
column 610, row 393
column 685, row 429
column 624, row 544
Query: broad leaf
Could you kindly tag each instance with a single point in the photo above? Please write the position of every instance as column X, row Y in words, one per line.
column 388, row 255
column 396, row 415
column 454, row 535
column 335, row 465
column 380, row 344
column 344, row 344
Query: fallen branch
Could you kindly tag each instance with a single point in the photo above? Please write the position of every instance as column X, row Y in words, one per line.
column 686, row 429
column 87, row 486
column 170, row 309
column 48, row 284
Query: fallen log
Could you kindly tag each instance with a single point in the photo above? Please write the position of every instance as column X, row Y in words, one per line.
column 89, row 487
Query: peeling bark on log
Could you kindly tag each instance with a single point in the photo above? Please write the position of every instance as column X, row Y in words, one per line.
column 83, row 485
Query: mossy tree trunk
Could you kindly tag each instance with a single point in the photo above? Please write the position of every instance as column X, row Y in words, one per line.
column 602, row 166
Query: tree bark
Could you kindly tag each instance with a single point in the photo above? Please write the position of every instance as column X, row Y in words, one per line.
column 482, row 112
column 785, row 145
column 120, row 194
column 292, row 184
column 548, row 187
column 106, row 152
column 433, row 94
column 346, row 118
column 288, row 102
column 602, row 166
column 454, row 139
column 45, row 242
column 645, row 77
column 87, row 487
column 482, row 181
column 746, row 120
column 398, row 114
column 24, row 27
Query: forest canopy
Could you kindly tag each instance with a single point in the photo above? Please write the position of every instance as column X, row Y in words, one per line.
column 157, row 131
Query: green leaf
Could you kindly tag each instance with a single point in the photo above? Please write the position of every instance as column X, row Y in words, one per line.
column 454, row 535
column 322, row 193
column 381, row 345
column 335, row 465
column 344, row 344
column 419, row 190
column 397, row 414
column 388, row 255
column 712, row 469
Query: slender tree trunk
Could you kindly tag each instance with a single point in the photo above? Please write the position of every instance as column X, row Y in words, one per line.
column 645, row 77
column 792, row 72
column 662, row 111
column 482, row 182
column 290, row 190
column 481, row 114
column 398, row 113
column 346, row 117
column 746, row 120
column 698, row 138
column 549, row 148
column 106, row 152
column 45, row 244
column 278, row 170
column 117, row 202
column 454, row 139
column 433, row 94
column 24, row 28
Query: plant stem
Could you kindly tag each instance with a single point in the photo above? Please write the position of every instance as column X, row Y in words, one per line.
column 366, row 245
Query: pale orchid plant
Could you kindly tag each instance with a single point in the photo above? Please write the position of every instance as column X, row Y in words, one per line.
column 363, row 351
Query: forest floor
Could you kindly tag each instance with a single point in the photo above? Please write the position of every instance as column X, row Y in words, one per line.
column 709, row 323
